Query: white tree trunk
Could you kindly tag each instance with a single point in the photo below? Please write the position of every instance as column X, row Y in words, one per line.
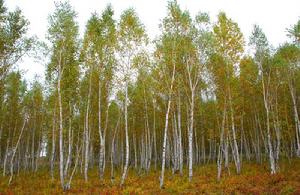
column 166, row 130
column 154, row 139
column 296, row 118
column 193, row 80
column 32, row 142
column 68, row 185
column 15, row 150
column 126, row 137
column 53, row 145
column 86, row 132
column 190, row 136
column 269, row 140
column 5, row 157
column 70, row 143
column 236, row 149
column 101, row 136
column 61, row 144
column 180, row 139
column 164, row 145
column 221, row 146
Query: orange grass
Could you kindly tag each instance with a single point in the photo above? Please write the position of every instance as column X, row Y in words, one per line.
column 254, row 179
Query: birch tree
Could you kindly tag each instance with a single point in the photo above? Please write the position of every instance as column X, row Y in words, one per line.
column 259, row 41
column 196, row 49
column 99, row 51
column 288, row 56
column 131, row 38
column 168, row 56
column 14, row 45
column 229, row 44
column 63, row 71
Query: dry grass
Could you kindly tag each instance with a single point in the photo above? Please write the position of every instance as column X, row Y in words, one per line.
column 254, row 179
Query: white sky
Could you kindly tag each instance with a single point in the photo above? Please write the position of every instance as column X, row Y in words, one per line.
column 274, row 16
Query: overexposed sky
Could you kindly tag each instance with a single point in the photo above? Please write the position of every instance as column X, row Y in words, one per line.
column 274, row 16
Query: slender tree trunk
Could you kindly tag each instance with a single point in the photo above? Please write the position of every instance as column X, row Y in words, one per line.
column 26, row 159
column 61, row 143
column 154, row 137
column 33, row 142
column 296, row 117
column 104, row 138
column 126, row 136
column 235, row 145
column 135, row 151
column 226, row 155
column 193, row 82
column 38, row 151
column 101, row 136
column 277, row 131
column 175, row 145
column 78, row 150
column 190, row 136
column 221, row 146
column 270, row 148
column 148, row 135
column 166, row 130
column 53, row 144
column 70, row 143
column 5, row 156
column 180, row 138
column 15, row 150
column 86, row 132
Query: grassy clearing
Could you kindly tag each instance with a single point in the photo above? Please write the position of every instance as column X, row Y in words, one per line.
column 255, row 179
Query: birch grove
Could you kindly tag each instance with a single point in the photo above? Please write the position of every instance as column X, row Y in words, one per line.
column 117, row 101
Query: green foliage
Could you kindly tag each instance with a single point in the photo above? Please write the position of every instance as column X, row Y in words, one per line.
column 229, row 39
column 294, row 33
column 14, row 43
column 260, row 43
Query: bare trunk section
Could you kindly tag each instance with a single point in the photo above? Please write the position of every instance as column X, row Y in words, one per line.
column 101, row 136
column 86, row 131
column 112, row 176
column 296, row 117
column 61, row 144
column 190, row 136
column 33, row 142
column 53, row 144
column 221, row 146
column 70, row 143
column 15, row 150
column 180, row 137
column 235, row 145
column 126, row 136
column 269, row 140
column 154, row 137
column 5, row 157
column 166, row 130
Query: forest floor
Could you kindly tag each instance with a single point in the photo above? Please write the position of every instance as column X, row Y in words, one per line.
column 254, row 179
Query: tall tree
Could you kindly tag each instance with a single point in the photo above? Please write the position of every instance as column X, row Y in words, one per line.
column 175, row 27
column 131, row 39
column 63, row 69
column 229, row 45
column 288, row 57
column 99, row 51
column 260, row 43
